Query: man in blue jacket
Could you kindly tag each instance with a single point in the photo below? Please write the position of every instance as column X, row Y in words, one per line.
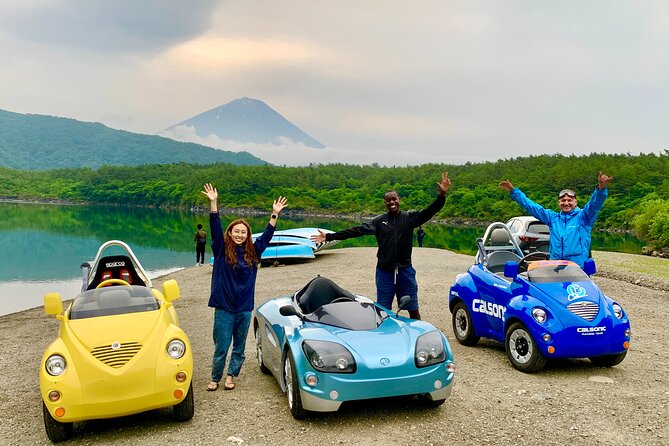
column 571, row 227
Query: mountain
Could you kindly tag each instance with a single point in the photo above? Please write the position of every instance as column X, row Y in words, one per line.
column 247, row 120
column 38, row 142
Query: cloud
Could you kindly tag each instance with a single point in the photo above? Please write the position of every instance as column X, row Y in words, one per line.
column 136, row 26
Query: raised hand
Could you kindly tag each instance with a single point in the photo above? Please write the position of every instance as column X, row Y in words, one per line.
column 444, row 184
column 210, row 191
column 506, row 185
column 279, row 204
column 603, row 180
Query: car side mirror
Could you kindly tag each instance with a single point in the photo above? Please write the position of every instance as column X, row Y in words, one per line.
column 511, row 269
column 404, row 302
column 589, row 267
column 171, row 290
column 53, row 304
column 288, row 310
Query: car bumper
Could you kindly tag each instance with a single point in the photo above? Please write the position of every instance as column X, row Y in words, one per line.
column 588, row 342
column 333, row 389
column 98, row 397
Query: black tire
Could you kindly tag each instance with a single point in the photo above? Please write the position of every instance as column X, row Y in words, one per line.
column 292, row 389
column 608, row 360
column 55, row 430
column 185, row 409
column 427, row 402
column 462, row 325
column 522, row 349
column 259, row 353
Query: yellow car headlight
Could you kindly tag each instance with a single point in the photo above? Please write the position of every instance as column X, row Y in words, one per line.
column 55, row 365
column 176, row 349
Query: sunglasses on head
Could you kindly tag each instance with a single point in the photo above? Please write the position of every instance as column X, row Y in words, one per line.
column 567, row 192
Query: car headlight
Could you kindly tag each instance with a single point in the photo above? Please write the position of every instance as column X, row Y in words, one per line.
column 329, row 357
column 618, row 310
column 55, row 365
column 539, row 315
column 429, row 349
column 176, row 349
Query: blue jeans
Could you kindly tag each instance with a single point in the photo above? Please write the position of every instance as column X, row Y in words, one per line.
column 229, row 326
column 400, row 282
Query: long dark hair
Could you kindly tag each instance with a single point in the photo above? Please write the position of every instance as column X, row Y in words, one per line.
column 249, row 251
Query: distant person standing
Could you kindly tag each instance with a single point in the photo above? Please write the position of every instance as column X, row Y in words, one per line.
column 200, row 245
column 395, row 276
column 571, row 227
column 420, row 235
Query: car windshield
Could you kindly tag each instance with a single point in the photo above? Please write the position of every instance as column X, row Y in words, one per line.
column 349, row 315
column 112, row 300
column 556, row 271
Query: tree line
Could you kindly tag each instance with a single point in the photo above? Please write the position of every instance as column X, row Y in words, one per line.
column 638, row 195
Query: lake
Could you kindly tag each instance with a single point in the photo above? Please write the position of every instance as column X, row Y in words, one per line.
column 43, row 245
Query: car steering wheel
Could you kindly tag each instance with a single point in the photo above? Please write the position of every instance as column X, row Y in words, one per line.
column 111, row 281
column 531, row 257
column 342, row 299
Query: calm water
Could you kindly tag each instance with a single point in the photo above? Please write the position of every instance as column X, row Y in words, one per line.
column 42, row 246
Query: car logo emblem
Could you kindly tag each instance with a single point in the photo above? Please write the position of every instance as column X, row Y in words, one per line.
column 116, row 345
column 385, row 361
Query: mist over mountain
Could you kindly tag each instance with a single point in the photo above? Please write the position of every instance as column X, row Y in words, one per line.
column 39, row 142
column 247, row 120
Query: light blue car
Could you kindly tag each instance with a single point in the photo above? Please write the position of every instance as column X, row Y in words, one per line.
column 325, row 345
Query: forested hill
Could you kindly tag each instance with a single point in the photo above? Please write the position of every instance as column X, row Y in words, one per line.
column 37, row 142
column 638, row 195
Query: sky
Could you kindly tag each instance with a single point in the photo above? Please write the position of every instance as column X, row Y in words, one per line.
column 387, row 82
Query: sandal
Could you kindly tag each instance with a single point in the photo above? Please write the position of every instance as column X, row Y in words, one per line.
column 213, row 386
column 229, row 385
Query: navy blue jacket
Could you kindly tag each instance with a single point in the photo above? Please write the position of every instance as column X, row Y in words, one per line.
column 394, row 234
column 233, row 286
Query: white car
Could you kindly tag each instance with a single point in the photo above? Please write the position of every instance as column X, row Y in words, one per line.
column 530, row 233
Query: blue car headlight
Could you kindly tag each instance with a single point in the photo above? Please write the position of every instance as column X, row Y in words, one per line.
column 329, row 357
column 539, row 315
column 617, row 310
column 429, row 349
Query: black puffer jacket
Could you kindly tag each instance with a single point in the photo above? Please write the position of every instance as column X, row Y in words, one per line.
column 394, row 234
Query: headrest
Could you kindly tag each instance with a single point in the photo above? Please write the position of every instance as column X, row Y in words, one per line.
column 499, row 237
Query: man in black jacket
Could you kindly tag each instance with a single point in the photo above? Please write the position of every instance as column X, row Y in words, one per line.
column 394, row 235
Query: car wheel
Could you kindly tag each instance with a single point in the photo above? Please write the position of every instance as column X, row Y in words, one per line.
column 462, row 325
column 608, row 360
column 426, row 401
column 185, row 409
column 259, row 354
column 522, row 350
column 55, row 430
column 292, row 388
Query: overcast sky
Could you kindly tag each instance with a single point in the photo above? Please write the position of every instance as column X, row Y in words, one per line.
column 391, row 82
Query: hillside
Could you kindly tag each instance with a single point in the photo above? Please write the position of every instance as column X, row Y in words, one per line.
column 39, row 142
column 247, row 120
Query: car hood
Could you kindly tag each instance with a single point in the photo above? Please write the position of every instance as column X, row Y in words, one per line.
column 391, row 344
column 95, row 332
column 567, row 293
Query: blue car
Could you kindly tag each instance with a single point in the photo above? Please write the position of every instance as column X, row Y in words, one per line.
column 326, row 345
column 539, row 308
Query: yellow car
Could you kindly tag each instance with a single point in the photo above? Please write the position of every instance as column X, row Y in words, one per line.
column 119, row 350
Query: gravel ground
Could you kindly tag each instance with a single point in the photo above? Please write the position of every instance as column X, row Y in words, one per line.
column 570, row 402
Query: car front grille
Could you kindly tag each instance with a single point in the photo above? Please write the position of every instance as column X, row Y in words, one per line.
column 116, row 355
column 586, row 310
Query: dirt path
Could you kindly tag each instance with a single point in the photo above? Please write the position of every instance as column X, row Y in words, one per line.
column 570, row 402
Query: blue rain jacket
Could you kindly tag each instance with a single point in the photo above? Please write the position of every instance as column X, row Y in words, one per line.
column 570, row 232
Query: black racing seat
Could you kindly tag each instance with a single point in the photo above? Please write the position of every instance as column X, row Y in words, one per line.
column 320, row 291
column 115, row 267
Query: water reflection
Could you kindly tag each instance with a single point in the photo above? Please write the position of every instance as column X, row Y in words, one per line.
column 47, row 243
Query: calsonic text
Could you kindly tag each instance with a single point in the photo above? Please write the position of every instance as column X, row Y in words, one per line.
column 489, row 308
